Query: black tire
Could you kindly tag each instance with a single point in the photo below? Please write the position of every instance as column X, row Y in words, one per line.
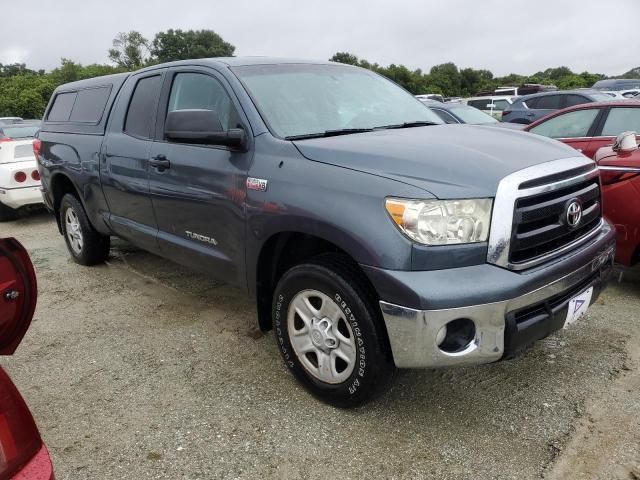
column 341, row 281
column 95, row 246
column 7, row 213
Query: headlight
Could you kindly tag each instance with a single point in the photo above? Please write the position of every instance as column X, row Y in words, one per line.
column 442, row 222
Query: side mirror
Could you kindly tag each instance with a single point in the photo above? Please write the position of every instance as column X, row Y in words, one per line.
column 625, row 142
column 201, row 127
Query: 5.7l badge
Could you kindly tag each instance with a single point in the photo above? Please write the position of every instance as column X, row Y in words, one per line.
column 259, row 184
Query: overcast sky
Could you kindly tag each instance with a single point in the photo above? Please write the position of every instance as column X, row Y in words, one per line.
column 520, row 36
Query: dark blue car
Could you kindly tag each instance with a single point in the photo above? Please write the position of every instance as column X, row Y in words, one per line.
column 529, row 108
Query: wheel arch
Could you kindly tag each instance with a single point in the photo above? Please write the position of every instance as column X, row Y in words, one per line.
column 60, row 184
column 283, row 250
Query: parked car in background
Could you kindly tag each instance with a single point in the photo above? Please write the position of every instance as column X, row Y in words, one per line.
column 19, row 176
column 620, row 175
column 530, row 108
column 10, row 120
column 525, row 89
column 431, row 96
column 493, row 105
column 617, row 84
column 23, row 455
column 346, row 208
column 459, row 113
column 590, row 126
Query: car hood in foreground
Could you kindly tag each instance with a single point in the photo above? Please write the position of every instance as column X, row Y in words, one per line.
column 450, row 161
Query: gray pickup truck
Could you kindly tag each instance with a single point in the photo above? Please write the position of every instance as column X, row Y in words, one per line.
column 372, row 236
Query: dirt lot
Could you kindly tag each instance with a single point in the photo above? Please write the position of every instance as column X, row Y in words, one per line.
column 141, row 369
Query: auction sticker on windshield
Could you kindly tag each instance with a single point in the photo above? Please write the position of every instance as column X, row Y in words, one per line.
column 578, row 306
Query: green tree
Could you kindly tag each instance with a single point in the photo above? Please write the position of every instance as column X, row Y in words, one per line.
column 345, row 57
column 181, row 45
column 130, row 50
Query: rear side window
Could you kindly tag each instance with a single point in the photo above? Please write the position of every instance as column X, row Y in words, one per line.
column 90, row 104
column 621, row 120
column 142, row 107
column 480, row 104
column 501, row 104
column 549, row 102
column 573, row 100
column 446, row 116
column 83, row 106
column 62, row 106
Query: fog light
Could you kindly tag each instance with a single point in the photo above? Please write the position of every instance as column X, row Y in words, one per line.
column 456, row 336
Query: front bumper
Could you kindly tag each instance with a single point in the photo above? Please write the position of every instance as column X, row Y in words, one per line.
column 19, row 197
column 520, row 307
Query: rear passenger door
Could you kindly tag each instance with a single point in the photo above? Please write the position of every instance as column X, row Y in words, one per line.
column 198, row 191
column 124, row 169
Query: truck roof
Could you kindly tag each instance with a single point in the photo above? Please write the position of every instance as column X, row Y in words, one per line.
column 241, row 62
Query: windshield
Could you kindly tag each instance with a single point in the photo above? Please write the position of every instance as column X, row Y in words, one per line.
column 23, row 131
column 303, row 99
column 471, row 115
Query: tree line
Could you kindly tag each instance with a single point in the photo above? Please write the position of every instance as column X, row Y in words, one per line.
column 25, row 92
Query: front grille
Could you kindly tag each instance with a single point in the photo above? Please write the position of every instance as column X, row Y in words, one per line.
column 539, row 223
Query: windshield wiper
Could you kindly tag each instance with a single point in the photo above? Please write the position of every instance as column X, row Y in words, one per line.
column 418, row 123
column 329, row 133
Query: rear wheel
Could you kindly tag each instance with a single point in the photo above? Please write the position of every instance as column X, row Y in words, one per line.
column 328, row 328
column 86, row 245
column 7, row 213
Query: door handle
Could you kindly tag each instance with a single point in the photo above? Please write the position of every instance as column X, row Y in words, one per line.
column 160, row 162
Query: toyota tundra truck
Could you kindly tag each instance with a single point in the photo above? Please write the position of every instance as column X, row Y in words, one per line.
column 372, row 236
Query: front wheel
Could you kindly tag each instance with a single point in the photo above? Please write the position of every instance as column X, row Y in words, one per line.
column 329, row 331
column 86, row 245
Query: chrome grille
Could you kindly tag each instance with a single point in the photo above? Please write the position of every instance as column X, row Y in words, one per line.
column 539, row 224
column 528, row 225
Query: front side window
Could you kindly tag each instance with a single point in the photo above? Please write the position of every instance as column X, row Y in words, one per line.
column 305, row 99
column 203, row 92
column 568, row 125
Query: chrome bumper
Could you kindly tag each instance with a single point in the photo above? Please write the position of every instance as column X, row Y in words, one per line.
column 412, row 333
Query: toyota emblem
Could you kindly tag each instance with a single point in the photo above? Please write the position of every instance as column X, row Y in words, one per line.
column 574, row 213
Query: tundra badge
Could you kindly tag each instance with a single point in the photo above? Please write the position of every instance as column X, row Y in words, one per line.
column 201, row 238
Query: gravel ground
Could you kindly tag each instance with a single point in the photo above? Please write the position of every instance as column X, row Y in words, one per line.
column 142, row 369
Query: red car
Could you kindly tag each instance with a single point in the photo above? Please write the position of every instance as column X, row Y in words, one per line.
column 620, row 173
column 590, row 126
column 23, row 455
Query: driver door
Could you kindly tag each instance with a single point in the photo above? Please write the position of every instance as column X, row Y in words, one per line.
column 198, row 191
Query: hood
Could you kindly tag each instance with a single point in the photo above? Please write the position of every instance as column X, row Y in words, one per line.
column 449, row 161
